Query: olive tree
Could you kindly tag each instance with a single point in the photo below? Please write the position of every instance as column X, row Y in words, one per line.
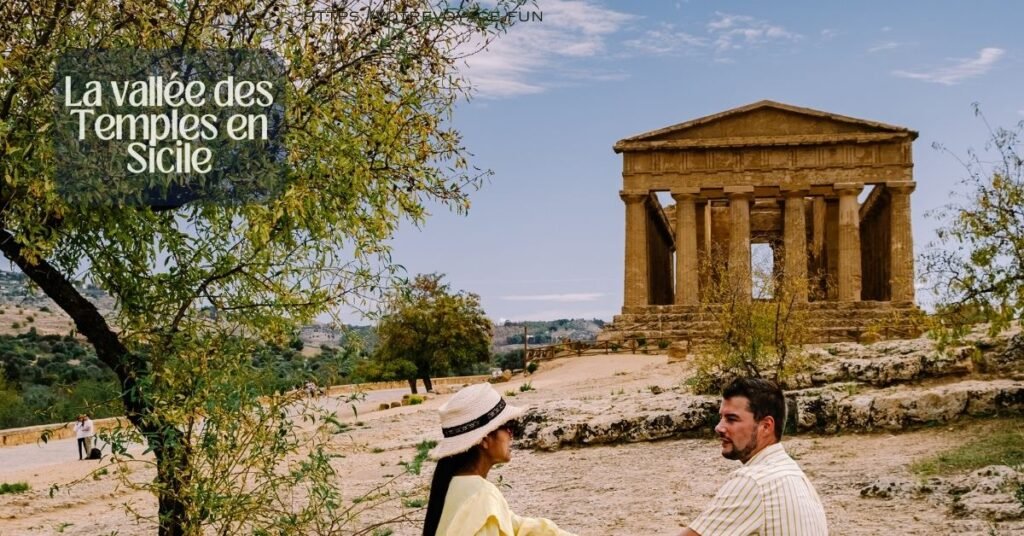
column 428, row 329
column 976, row 265
column 367, row 141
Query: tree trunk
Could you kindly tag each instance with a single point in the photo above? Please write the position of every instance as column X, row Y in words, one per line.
column 172, row 476
column 412, row 385
column 426, row 383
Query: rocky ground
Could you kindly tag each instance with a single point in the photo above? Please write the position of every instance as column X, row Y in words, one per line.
column 618, row 445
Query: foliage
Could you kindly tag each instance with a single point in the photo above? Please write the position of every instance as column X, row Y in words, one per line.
column 367, row 143
column 415, row 400
column 761, row 335
column 51, row 379
column 1001, row 444
column 16, row 487
column 512, row 360
column 525, row 387
column 279, row 447
column 532, row 366
column 430, row 330
column 422, row 453
column 976, row 265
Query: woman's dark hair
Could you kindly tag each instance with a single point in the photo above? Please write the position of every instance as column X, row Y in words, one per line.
column 447, row 467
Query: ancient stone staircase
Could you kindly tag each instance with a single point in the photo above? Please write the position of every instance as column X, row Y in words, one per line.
column 825, row 322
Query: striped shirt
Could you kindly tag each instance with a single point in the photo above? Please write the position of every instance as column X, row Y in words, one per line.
column 768, row 496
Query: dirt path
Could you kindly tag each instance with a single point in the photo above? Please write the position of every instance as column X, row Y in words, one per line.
column 643, row 488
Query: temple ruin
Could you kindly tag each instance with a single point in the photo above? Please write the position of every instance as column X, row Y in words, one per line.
column 829, row 194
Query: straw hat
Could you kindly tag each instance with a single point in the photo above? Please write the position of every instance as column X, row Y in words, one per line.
column 469, row 416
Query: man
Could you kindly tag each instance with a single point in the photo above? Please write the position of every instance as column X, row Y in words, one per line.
column 769, row 495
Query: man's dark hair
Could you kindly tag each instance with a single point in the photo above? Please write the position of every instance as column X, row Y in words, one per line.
column 765, row 399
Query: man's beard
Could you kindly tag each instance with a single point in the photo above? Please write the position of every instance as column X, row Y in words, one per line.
column 741, row 454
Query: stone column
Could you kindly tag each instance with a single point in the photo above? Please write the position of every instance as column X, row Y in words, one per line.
column 901, row 242
column 794, row 246
column 636, row 289
column 739, row 240
column 849, row 241
column 818, row 264
column 686, row 246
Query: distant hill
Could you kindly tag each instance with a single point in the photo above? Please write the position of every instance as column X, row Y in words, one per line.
column 318, row 335
column 16, row 289
column 22, row 307
column 509, row 336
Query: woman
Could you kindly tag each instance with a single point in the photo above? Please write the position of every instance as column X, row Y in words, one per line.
column 84, row 433
column 477, row 435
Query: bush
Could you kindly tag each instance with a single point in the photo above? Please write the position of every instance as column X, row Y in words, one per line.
column 511, row 360
column 415, row 400
column 17, row 487
column 525, row 387
column 532, row 367
column 759, row 338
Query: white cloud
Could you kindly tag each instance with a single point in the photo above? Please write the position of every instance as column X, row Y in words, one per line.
column 725, row 32
column 513, row 64
column 566, row 298
column 962, row 69
column 731, row 32
column 829, row 33
column 666, row 40
column 888, row 45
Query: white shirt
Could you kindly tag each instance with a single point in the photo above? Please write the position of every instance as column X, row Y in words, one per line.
column 84, row 429
column 768, row 496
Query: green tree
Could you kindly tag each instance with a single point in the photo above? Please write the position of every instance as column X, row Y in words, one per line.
column 976, row 265
column 368, row 143
column 429, row 330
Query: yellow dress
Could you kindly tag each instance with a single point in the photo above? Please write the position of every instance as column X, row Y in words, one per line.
column 475, row 507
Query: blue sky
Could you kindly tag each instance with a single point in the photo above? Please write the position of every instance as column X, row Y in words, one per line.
column 544, row 238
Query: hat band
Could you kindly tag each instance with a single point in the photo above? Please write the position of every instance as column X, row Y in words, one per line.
column 475, row 423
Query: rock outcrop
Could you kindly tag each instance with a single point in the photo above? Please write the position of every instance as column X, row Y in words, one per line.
column 977, row 500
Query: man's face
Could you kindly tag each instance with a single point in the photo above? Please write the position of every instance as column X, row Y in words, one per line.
column 737, row 429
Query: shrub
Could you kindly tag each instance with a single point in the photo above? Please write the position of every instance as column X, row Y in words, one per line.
column 422, row 452
column 16, row 487
column 414, row 503
column 511, row 360
column 532, row 366
column 525, row 387
column 759, row 338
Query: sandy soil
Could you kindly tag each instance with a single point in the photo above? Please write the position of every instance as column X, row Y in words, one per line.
column 643, row 488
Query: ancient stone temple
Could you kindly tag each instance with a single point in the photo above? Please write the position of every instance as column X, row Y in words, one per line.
column 830, row 195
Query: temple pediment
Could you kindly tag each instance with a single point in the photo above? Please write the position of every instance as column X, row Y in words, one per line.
column 765, row 123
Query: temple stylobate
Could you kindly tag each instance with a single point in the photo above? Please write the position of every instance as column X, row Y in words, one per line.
column 829, row 194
